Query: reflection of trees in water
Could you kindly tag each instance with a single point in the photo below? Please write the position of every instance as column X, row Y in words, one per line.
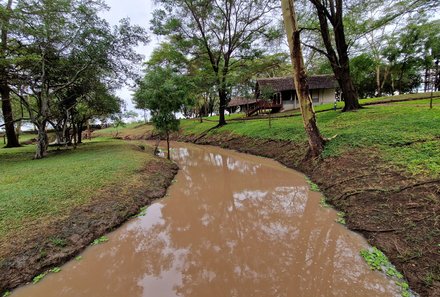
column 246, row 232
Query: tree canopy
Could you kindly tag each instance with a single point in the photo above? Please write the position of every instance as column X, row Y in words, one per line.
column 60, row 54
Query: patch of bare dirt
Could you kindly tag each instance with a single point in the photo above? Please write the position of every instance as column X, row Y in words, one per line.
column 37, row 251
column 395, row 211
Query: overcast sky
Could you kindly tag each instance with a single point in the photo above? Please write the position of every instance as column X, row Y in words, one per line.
column 139, row 12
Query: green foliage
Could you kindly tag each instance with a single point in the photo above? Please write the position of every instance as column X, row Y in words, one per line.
column 313, row 187
column 100, row 240
column 60, row 242
column 79, row 51
column 163, row 92
column 55, row 270
column 6, row 294
column 219, row 57
column 363, row 72
column 142, row 212
column 39, row 277
column 378, row 261
column 78, row 258
column 341, row 218
column 323, row 202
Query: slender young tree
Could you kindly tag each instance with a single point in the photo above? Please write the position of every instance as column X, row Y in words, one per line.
column 316, row 141
column 5, row 92
column 163, row 91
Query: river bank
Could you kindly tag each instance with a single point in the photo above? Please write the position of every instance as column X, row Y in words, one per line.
column 83, row 207
column 232, row 224
column 394, row 210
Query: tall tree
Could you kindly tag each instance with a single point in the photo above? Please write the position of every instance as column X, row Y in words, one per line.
column 222, row 32
column 330, row 14
column 316, row 141
column 5, row 93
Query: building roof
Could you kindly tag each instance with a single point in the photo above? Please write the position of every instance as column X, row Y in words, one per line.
column 278, row 84
column 238, row 101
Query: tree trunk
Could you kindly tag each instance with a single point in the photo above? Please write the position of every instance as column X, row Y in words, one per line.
column 378, row 82
column 168, row 146
column 58, row 134
column 18, row 125
column 74, row 132
column 79, row 132
column 338, row 58
column 89, row 132
column 427, row 79
column 222, row 96
column 41, row 141
column 349, row 93
column 12, row 139
column 316, row 141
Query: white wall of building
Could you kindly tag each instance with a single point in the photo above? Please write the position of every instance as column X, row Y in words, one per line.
column 320, row 96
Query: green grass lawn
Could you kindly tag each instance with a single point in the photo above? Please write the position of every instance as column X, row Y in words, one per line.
column 389, row 128
column 378, row 100
column 36, row 191
column 133, row 129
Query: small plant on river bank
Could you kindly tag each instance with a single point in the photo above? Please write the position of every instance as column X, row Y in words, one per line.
column 39, row 277
column 100, row 240
column 341, row 218
column 323, row 202
column 377, row 260
column 58, row 242
column 142, row 212
column 6, row 294
column 313, row 187
column 55, row 270
column 78, row 258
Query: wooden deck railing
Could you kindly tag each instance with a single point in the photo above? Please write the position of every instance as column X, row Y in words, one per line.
column 262, row 105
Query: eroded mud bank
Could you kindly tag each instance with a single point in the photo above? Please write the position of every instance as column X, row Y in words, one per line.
column 108, row 209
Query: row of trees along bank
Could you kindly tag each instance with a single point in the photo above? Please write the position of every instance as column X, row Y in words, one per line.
column 62, row 62
column 221, row 46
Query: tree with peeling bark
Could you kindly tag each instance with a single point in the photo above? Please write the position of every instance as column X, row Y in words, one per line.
column 316, row 141
column 5, row 92
column 223, row 32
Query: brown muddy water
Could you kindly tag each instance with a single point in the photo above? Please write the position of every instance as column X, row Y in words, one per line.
column 231, row 225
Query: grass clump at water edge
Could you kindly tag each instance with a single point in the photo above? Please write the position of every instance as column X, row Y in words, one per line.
column 100, row 240
column 377, row 260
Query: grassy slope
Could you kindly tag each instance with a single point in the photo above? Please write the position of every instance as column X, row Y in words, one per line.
column 33, row 192
column 133, row 130
column 406, row 133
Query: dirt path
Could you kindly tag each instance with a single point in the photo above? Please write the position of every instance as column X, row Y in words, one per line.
column 395, row 211
column 36, row 251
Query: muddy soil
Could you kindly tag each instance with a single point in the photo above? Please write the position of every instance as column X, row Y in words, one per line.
column 395, row 211
column 34, row 253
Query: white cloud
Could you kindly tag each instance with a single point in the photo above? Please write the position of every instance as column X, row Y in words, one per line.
column 139, row 12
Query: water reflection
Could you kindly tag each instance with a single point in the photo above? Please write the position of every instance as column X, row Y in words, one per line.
column 233, row 225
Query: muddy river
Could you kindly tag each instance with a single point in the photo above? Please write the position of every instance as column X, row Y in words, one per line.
column 231, row 225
